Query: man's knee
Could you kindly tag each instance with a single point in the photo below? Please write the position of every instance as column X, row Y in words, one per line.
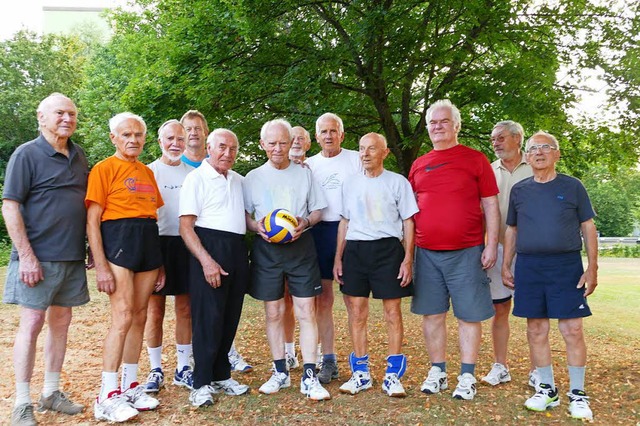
column 571, row 329
column 59, row 318
column 31, row 321
column 183, row 307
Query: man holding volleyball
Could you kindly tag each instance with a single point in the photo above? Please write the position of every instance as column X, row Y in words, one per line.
column 283, row 184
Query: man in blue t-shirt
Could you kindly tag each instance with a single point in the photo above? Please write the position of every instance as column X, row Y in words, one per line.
column 547, row 215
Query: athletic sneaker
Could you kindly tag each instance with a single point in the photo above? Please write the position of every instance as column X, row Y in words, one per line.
column 328, row 371
column 276, row 382
column 435, row 382
column 498, row 374
column 58, row 401
column 546, row 397
column 229, row 387
column 22, row 415
column 359, row 381
column 466, row 388
column 292, row 361
column 139, row 398
column 201, row 397
column 534, row 379
column 116, row 408
column 184, row 377
column 238, row 363
column 312, row 388
column 155, row 380
column 391, row 386
column 579, row 405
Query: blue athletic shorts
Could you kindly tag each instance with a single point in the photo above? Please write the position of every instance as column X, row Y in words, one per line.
column 325, row 236
column 545, row 286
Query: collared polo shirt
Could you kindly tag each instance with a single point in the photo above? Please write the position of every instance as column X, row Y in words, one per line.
column 505, row 180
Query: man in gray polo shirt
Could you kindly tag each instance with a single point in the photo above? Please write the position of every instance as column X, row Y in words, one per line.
column 43, row 207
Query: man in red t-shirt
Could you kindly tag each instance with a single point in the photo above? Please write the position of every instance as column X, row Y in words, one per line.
column 456, row 189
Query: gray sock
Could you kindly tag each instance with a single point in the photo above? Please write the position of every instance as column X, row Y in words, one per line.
column 546, row 375
column 576, row 378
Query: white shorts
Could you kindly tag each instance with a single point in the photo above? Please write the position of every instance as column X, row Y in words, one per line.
column 499, row 292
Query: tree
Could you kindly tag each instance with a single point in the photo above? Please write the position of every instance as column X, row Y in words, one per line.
column 31, row 68
column 378, row 64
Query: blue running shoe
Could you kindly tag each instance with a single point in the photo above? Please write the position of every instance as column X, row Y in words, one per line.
column 155, row 380
column 184, row 377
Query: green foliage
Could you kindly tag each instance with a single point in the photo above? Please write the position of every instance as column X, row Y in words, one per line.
column 378, row 64
column 620, row 250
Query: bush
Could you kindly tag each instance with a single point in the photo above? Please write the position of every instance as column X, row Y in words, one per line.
column 619, row 250
column 5, row 252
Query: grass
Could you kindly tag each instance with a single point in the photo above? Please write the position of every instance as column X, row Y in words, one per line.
column 613, row 374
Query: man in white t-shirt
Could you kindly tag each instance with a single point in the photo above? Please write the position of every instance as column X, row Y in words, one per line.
column 330, row 168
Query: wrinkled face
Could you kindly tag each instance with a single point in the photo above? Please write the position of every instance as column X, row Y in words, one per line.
column 537, row 158
column 196, row 132
column 58, row 117
column 129, row 139
column 441, row 127
column 329, row 137
column 277, row 145
column 372, row 153
column 505, row 144
column 301, row 143
column 223, row 151
column 172, row 141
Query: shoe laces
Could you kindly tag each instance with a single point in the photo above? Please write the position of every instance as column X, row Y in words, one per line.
column 391, row 379
column 26, row 412
column 582, row 400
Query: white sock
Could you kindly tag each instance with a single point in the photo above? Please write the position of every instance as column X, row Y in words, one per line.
column 23, row 393
column 51, row 383
column 233, row 350
column 184, row 353
column 109, row 384
column 155, row 357
column 129, row 375
column 290, row 348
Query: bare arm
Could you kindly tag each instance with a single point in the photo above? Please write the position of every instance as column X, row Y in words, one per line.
column 406, row 267
column 255, row 226
column 508, row 255
column 104, row 276
column 305, row 223
column 211, row 269
column 29, row 268
column 492, row 220
column 589, row 279
column 340, row 244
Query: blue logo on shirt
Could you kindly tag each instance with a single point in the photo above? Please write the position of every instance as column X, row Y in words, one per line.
column 560, row 197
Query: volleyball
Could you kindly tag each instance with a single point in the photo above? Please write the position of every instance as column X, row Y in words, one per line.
column 279, row 225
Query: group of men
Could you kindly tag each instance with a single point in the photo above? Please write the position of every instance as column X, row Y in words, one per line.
column 447, row 235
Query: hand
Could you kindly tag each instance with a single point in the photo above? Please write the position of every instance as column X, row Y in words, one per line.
column 337, row 271
column 489, row 256
column 105, row 280
column 507, row 278
column 161, row 280
column 213, row 273
column 588, row 280
column 30, row 270
column 262, row 231
column 405, row 275
column 303, row 224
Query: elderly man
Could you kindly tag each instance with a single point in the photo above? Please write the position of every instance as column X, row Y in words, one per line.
column 454, row 187
column 330, row 168
column 212, row 224
column 510, row 168
column 300, row 145
column 377, row 220
column 281, row 183
column 43, row 208
column 548, row 214
column 170, row 172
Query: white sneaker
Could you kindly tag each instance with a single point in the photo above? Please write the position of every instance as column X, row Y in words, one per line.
column 116, row 408
column 312, row 388
column 435, row 382
column 545, row 397
column 238, row 363
column 276, row 382
column 498, row 374
column 534, row 380
column 579, row 405
column 391, row 386
column 201, row 397
column 140, row 400
column 292, row 361
column 229, row 387
column 466, row 388
column 359, row 381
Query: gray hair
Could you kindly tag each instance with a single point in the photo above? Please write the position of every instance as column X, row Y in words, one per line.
column 166, row 124
column 512, row 127
column 276, row 122
column 219, row 132
column 118, row 119
column 552, row 139
column 329, row 116
column 304, row 131
column 378, row 135
column 43, row 103
column 446, row 103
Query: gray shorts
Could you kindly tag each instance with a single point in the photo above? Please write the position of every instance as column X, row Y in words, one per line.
column 499, row 292
column 64, row 284
column 272, row 263
column 452, row 274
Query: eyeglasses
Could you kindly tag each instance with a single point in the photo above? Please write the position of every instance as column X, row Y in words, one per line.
column 546, row 148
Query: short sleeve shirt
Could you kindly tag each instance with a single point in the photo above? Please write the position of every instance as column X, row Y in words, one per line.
column 505, row 180
column 169, row 180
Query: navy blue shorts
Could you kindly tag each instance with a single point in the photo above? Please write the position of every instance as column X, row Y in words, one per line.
column 325, row 236
column 545, row 286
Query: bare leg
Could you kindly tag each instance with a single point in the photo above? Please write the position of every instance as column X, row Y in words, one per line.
column 358, row 312
column 434, row 328
column 183, row 319
column 155, row 318
column 274, row 311
column 395, row 329
column 55, row 347
column 324, row 307
column 470, row 335
column 143, row 283
column 573, row 335
column 538, row 337
column 305, row 310
column 24, row 347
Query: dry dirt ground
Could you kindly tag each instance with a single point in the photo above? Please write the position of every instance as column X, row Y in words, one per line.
column 613, row 377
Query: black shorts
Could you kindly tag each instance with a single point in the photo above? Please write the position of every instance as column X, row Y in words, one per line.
column 132, row 243
column 372, row 267
column 325, row 235
column 175, row 259
column 272, row 263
